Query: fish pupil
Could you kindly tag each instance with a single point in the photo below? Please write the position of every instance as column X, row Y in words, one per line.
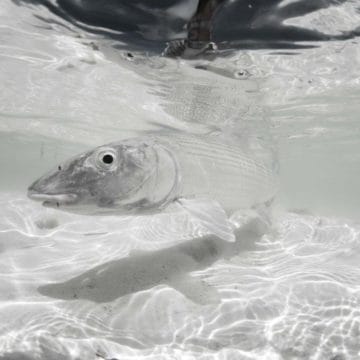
column 107, row 159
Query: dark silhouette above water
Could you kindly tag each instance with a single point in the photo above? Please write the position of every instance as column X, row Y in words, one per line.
column 243, row 24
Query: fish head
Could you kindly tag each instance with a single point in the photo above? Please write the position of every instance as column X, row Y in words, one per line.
column 114, row 178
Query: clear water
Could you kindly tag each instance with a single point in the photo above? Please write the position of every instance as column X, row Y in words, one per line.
column 76, row 287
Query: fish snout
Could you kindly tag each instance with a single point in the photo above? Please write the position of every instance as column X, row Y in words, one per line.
column 60, row 198
column 34, row 190
column 36, row 193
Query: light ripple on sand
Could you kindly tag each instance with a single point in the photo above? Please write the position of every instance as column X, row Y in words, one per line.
column 270, row 295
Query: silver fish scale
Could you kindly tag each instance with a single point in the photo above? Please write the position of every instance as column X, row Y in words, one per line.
column 221, row 172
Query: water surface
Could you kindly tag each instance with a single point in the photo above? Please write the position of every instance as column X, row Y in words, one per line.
column 76, row 287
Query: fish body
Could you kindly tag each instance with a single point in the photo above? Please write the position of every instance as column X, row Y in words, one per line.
column 221, row 172
column 149, row 174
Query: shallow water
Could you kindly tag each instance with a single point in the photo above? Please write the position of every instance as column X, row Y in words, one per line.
column 76, row 287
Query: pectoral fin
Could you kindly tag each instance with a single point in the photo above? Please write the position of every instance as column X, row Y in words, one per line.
column 210, row 215
column 196, row 290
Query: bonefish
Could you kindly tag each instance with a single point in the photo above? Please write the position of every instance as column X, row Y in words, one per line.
column 151, row 174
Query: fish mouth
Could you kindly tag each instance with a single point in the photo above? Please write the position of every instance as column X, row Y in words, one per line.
column 52, row 200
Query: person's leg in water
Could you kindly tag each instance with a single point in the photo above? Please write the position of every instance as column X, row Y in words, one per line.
column 199, row 34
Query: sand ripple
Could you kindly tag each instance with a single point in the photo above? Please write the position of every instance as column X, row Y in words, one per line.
column 292, row 293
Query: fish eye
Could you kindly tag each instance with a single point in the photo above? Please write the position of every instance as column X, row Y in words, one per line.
column 107, row 159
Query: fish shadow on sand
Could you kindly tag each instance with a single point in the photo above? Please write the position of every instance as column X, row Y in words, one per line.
column 143, row 270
